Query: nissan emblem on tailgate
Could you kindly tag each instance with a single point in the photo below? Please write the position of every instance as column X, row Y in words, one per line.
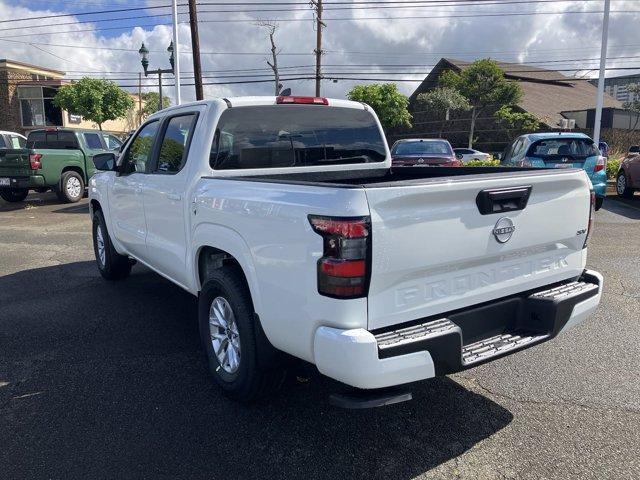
column 503, row 230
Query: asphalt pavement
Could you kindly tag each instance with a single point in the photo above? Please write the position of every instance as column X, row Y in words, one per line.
column 107, row 380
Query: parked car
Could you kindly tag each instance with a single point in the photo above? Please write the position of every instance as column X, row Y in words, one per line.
column 54, row 158
column 283, row 216
column 628, row 176
column 12, row 140
column 468, row 154
column 560, row 150
column 423, row 152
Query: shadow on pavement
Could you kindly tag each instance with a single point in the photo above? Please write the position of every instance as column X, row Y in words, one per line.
column 107, row 380
column 74, row 208
column 629, row 208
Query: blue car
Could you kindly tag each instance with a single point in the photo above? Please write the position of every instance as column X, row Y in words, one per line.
column 560, row 150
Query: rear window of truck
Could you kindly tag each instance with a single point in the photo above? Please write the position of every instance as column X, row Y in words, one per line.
column 55, row 139
column 276, row 136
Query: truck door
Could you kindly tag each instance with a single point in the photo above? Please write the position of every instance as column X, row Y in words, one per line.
column 126, row 199
column 165, row 200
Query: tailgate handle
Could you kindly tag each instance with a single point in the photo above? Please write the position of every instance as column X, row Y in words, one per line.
column 499, row 200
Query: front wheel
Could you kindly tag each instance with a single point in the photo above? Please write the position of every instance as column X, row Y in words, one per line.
column 228, row 334
column 14, row 194
column 71, row 188
column 111, row 264
column 622, row 186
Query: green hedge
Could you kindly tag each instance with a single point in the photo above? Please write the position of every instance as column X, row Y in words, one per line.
column 612, row 168
column 483, row 163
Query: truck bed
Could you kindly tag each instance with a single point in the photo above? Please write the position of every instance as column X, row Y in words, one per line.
column 386, row 177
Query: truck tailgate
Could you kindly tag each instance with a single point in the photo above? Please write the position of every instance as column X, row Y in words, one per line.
column 434, row 252
column 14, row 162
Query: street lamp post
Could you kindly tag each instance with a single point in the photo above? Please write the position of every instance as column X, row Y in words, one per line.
column 144, row 60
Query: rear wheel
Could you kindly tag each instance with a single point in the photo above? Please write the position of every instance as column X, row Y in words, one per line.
column 111, row 264
column 622, row 186
column 228, row 334
column 599, row 202
column 14, row 194
column 71, row 188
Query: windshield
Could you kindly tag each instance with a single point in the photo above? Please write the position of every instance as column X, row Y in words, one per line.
column 559, row 147
column 295, row 136
column 431, row 147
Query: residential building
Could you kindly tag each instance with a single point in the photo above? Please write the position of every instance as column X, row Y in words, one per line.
column 547, row 94
column 26, row 101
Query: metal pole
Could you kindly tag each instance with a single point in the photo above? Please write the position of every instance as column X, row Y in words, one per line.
column 195, row 49
column 319, row 25
column 603, row 61
column 160, row 89
column 176, row 50
column 139, row 98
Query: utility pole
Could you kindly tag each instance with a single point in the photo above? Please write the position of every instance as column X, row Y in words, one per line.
column 603, row 62
column 176, row 51
column 318, row 51
column 195, row 49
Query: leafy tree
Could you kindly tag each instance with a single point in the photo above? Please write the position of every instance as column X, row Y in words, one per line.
column 511, row 119
column 94, row 99
column 385, row 99
column 633, row 105
column 152, row 103
column 440, row 101
column 482, row 84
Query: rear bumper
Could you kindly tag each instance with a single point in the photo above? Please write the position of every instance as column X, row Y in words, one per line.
column 31, row 181
column 455, row 341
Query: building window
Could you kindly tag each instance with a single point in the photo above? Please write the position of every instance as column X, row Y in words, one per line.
column 37, row 108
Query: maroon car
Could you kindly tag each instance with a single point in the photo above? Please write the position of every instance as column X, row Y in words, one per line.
column 423, row 152
column 628, row 179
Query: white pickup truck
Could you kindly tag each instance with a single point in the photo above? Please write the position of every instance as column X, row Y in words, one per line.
column 284, row 217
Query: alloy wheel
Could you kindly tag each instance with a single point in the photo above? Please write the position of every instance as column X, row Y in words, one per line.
column 225, row 338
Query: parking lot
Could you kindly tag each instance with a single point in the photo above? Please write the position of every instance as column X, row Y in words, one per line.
column 107, row 380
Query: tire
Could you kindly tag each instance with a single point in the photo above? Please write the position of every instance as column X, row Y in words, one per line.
column 622, row 188
column 14, row 195
column 111, row 264
column 243, row 380
column 71, row 188
column 599, row 202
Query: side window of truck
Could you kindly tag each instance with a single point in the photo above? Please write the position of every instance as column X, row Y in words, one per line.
column 175, row 143
column 93, row 141
column 140, row 148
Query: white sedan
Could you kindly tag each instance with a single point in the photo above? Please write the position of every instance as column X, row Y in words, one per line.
column 468, row 154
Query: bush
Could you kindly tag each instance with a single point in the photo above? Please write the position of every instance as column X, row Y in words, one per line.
column 492, row 162
column 612, row 168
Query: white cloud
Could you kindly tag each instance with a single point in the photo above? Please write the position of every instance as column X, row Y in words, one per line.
column 418, row 40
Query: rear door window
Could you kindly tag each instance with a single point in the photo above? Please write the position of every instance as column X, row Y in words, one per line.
column 175, row 143
column 3, row 144
column 93, row 141
column 295, row 136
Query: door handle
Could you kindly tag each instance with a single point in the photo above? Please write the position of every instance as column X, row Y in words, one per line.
column 174, row 196
column 138, row 190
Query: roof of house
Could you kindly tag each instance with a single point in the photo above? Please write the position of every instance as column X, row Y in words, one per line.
column 546, row 93
column 6, row 63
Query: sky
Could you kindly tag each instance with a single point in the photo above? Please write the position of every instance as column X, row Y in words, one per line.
column 371, row 41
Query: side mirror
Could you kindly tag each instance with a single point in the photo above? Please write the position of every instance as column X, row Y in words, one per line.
column 459, row 156
column 105, row 161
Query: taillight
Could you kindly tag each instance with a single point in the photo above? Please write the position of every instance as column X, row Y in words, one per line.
column 302, row 100
column 592, row 211
column 34, row 161
column 601, row 164
column 343, row 270
column 454, row 163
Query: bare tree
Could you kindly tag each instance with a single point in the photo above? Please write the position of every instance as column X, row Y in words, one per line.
column 271, row 29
